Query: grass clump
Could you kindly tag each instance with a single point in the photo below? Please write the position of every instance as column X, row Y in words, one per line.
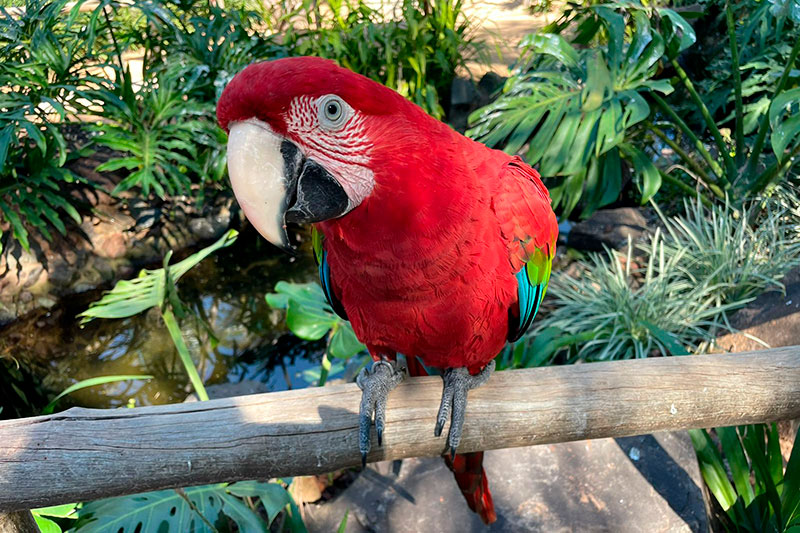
column 738, row 258
column 672, row 293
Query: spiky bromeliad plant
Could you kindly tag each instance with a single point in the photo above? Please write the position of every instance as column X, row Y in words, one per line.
column 618, row 309
column 737, row 256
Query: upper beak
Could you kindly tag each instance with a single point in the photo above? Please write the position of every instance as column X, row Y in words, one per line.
column 274, row 183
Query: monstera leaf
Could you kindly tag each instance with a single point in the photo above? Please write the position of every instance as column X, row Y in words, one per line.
column 170, row 511
column 570, row 110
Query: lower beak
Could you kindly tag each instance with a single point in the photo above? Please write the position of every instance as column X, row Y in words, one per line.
column 274, row 184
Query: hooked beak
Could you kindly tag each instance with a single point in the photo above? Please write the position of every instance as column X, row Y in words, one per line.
column 275, row 184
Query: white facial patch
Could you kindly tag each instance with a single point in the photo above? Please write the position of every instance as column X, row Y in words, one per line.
column 343, row 152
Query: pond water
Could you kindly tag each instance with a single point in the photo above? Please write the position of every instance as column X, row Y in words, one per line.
column 235, row 335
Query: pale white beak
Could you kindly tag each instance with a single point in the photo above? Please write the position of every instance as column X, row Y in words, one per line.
column 260, row 178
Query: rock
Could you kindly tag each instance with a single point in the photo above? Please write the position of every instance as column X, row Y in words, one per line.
column 648, row 484
column 211, row 226
column 773, row 317
column 609, row 227
column 463, row 92
column 466, row 97
column 489, row 86
column 60, row 273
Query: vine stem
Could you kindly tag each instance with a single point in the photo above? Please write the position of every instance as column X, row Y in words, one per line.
column 684, row 187
column 686, row 157
column 698, row 144
column 730, row 167
column 737, row 85
column 776, row 170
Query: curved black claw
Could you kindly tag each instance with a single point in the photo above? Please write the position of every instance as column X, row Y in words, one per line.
column 376, row 382
column 457, row 381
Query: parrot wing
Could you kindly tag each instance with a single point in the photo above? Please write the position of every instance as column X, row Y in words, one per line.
column 529, row 226
column 321, row 257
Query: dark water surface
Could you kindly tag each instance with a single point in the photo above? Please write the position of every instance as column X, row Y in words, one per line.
column 236, row 337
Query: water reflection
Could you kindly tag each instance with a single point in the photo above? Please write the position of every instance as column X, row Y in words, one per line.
column 232, row 334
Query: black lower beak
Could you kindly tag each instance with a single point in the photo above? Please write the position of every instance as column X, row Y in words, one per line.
column 315, row 196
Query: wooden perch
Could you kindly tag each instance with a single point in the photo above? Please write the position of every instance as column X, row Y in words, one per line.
column 84, row 454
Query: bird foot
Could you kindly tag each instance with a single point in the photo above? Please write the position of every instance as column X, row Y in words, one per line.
column 376, row 383
column 457, row 381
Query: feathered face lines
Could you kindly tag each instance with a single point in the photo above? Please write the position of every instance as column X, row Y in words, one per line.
column 328, row 130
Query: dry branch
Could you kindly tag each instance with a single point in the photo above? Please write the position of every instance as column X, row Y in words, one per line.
column 83, row 454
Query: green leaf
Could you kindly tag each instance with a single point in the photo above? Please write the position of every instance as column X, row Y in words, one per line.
column 59, row 511
column 5, row 142
column 740, row 469
column 712, row 468
column 784, row 120
column 666, row 338
column 790, row 495
column 20, row 233
column 91, row 382
column 756, row 448
column 344, row 343
column 551, row 44
column 166, row 511
column 308, row 323
column 183, row 353
column 649, row 179
column 46, row 525
column 678, row 33
column 130, row 297
column 343, row 524
column 274, row 497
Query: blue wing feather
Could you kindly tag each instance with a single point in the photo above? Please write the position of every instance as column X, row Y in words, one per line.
column 529, row 294
column 325, row 281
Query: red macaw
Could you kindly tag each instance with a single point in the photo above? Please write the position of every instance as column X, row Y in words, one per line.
column 431, row 244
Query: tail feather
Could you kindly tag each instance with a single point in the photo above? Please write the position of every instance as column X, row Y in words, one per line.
column 466, row 467
column 471, row 479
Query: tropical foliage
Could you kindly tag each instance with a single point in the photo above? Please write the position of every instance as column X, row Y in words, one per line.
column 763, row 495
column 156, row 288
column 604, row 105
column 42, row 82
column 64, row 65
column 310, row 317
column 668, row 295
column 415, row 50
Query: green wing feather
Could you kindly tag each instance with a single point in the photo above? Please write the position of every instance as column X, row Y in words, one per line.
column 532, row 282
column 321, row 256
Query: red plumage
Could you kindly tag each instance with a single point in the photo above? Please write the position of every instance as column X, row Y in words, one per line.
column 425, row 265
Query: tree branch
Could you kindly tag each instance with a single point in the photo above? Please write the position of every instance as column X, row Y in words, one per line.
column 84, row 454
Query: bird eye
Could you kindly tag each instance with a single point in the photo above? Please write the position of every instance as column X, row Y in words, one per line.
column 333, row 112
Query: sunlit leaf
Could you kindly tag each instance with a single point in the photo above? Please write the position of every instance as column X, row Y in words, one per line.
column 91, row 382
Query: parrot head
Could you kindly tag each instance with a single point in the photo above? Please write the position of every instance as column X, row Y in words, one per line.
column 302, row 140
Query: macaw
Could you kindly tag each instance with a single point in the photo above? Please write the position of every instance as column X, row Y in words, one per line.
column 431, row 244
